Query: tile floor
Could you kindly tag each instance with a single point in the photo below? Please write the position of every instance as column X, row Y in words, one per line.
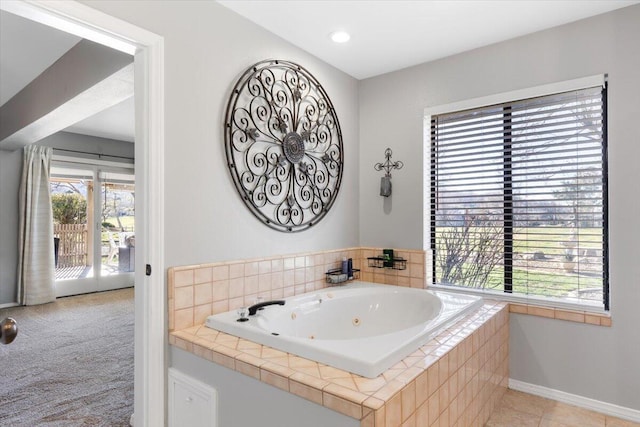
column 519, row 409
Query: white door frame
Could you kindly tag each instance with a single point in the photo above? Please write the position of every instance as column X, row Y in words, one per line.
column 150, row 293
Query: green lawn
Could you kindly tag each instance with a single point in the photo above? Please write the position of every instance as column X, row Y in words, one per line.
column 127, row 222
column 546, row 276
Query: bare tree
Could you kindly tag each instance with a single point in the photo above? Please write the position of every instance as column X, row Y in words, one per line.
column 468, row 254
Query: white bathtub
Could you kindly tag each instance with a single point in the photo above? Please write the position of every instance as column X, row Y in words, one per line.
column 363, row 328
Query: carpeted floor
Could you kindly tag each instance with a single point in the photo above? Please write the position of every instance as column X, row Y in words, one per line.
column 71, row 363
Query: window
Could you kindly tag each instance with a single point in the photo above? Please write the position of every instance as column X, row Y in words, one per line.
column 518, row 197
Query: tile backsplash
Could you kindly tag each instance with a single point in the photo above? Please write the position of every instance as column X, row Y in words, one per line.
column 197, row 291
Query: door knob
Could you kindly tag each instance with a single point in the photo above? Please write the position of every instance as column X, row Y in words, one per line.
column 8, row 330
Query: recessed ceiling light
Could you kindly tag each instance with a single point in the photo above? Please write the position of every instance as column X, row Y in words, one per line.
column 340, row 36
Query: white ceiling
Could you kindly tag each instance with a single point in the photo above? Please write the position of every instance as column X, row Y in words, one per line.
column 117, row 122
column 391, row 35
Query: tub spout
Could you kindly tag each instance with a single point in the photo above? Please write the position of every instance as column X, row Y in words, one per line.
column 254, row 308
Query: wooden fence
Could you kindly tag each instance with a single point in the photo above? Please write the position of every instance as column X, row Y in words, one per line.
column 72, row 246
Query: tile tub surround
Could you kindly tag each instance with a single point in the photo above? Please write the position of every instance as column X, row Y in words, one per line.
column 197, row 291
column 454, row 380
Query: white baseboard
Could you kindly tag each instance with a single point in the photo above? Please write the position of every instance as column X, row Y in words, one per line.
column 574, row 399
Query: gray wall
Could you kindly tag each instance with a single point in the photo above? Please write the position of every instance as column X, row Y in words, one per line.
column 207, row 47
column 89, row 144
column 10, row 170
column 596, row 362
column 10, row 175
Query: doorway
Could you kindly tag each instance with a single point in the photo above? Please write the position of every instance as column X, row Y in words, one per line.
column 94, row 227
column 150, row 294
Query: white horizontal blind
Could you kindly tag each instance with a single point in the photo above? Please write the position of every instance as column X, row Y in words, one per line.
column 518, row 193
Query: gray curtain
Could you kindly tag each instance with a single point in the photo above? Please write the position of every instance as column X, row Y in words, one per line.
column 36, row 269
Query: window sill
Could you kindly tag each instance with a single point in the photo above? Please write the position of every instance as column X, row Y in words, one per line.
column 551, row 309
column 598, row 319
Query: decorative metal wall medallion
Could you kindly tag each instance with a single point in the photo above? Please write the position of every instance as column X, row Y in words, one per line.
column 283, row 145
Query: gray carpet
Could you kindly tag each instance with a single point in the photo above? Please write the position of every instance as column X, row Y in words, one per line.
column 71, row 363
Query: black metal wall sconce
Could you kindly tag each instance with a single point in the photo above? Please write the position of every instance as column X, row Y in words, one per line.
column 387, row 166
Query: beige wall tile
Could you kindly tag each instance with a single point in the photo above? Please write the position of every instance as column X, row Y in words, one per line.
column 591, row 319
column 381, row 417
column 422, row 415
column 309, row 274
column 274, row 379
column 220, row 306
column 183, row 297
column 410, row 422
column 368, row 421
column 264, row 282
column 417, row 257
column 236, row 287
column 572, row 316
column 309, row 261
column 220, row 272
column 202, row 352
column 394, row 411
column 220, row 290
column 183, row 318
column 201, row 312
column 202, row 275
column 202, row 294
column 183, row 278
column 289, row 263
column 277, row 280
column 277, row 265
column 236, row 270
column 235, row 303
column 247, row 369
column 416, row 270
column 264, row 267
column 289, row 278
column 251, row 268
column 518, row 308
column 341, row 405
column 422, row 388
column 300, row 262
column 305, row 391
column 222, row 359
column 443, row 393
column 540, row 311
column 250, row 285
column 408, row 400
column 417, row 283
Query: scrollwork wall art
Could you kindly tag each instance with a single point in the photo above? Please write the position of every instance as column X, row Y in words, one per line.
column 283, row 145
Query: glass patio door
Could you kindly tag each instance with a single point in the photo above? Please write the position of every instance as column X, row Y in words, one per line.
column 94, row 229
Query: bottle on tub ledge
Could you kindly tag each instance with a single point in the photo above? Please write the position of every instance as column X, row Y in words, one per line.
column 347, row 268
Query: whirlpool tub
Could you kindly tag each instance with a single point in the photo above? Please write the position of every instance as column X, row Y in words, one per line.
column 363, row 328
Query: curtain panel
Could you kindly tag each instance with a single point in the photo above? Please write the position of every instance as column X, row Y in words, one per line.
column 36, row 269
